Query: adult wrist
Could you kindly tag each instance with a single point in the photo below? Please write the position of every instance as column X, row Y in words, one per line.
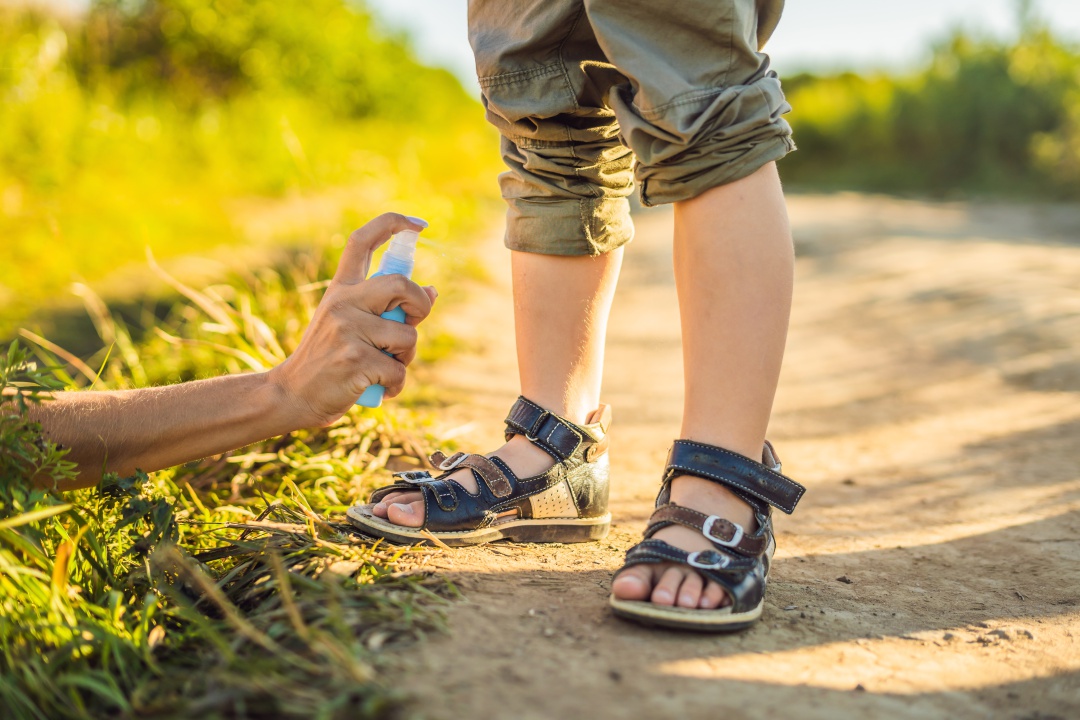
column 280, row 403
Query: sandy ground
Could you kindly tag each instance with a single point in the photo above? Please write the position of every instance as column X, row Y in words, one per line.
column 930, row 403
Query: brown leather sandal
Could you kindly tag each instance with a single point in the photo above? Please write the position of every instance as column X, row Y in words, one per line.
column 739, row 561
column 565, row 504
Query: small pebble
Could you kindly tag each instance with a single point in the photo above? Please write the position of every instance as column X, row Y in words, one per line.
column 792, row 607
column 549, row 632
column 1026, row 634
column 845, row 579
column 860, row 688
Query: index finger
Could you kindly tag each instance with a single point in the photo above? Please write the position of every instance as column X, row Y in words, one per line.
column 378, row 295
column 356, row 259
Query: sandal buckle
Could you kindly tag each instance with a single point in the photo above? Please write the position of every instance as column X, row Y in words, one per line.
column 721, row 562
column 530, row 434
column 452, row 462
column 736, row 538
column 414, row 477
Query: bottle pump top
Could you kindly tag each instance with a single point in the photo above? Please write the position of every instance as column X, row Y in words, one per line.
column 400, row 253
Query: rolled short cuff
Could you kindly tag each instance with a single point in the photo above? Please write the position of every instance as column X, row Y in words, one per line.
column 699, row 143
column 717, row 168
column 568, row 226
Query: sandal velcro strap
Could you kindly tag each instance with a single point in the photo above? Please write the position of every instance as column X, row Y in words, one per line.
column 718, row 565
column 408, row 481
column 490, row 473
column 660, row 551
column 735, row 471
column 720, row 532
column 550, row 432
column 444, row 492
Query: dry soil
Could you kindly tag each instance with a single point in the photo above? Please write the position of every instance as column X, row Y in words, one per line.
column 930, row 403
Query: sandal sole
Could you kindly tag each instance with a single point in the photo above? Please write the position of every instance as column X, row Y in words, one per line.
column 690, row 619
column 547, row 530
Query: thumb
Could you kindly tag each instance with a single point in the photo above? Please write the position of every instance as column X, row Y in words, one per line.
column 356, row 259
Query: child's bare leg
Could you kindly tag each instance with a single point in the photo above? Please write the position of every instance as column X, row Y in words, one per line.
column 733, row 270
column 561, row 307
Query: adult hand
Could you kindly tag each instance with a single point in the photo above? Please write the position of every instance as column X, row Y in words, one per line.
column 341, row 352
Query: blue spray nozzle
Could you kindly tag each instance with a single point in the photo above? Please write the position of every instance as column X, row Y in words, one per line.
column 397, row 260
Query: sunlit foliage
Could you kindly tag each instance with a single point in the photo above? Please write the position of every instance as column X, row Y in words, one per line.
column 187, row 125
column 984, row 116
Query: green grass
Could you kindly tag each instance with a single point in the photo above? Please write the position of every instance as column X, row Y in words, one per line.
column 225, row 588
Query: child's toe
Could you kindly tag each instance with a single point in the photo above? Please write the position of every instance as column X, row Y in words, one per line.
column 690, row 591
column 382, row 508
column 633, row 583
column 406, row 514
column 667, row 589
column 712, row 597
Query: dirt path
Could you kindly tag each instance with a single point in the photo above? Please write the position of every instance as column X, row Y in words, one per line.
column 930, row 403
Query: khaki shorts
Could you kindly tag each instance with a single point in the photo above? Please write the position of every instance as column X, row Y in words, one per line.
column 590, row 95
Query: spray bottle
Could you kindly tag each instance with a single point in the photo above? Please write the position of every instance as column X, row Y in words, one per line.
column 397, row 260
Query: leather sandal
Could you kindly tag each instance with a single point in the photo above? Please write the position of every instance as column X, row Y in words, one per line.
column 739, row 561
column 565, row 504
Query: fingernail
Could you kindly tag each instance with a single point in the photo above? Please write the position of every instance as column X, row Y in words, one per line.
column 686, row 601
column 663, row 595
column 407, row 509
column 433, row 290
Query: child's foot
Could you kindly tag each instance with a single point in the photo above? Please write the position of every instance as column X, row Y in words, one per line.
column 548, row 483
column 672, row 584
column 707, row 549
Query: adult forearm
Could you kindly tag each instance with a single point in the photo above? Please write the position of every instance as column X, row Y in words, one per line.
column 154, row 428
column 347, row 347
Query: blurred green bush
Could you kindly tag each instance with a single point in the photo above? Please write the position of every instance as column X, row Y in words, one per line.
column 985, row 116
column 180, row 125
column 201, row 51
